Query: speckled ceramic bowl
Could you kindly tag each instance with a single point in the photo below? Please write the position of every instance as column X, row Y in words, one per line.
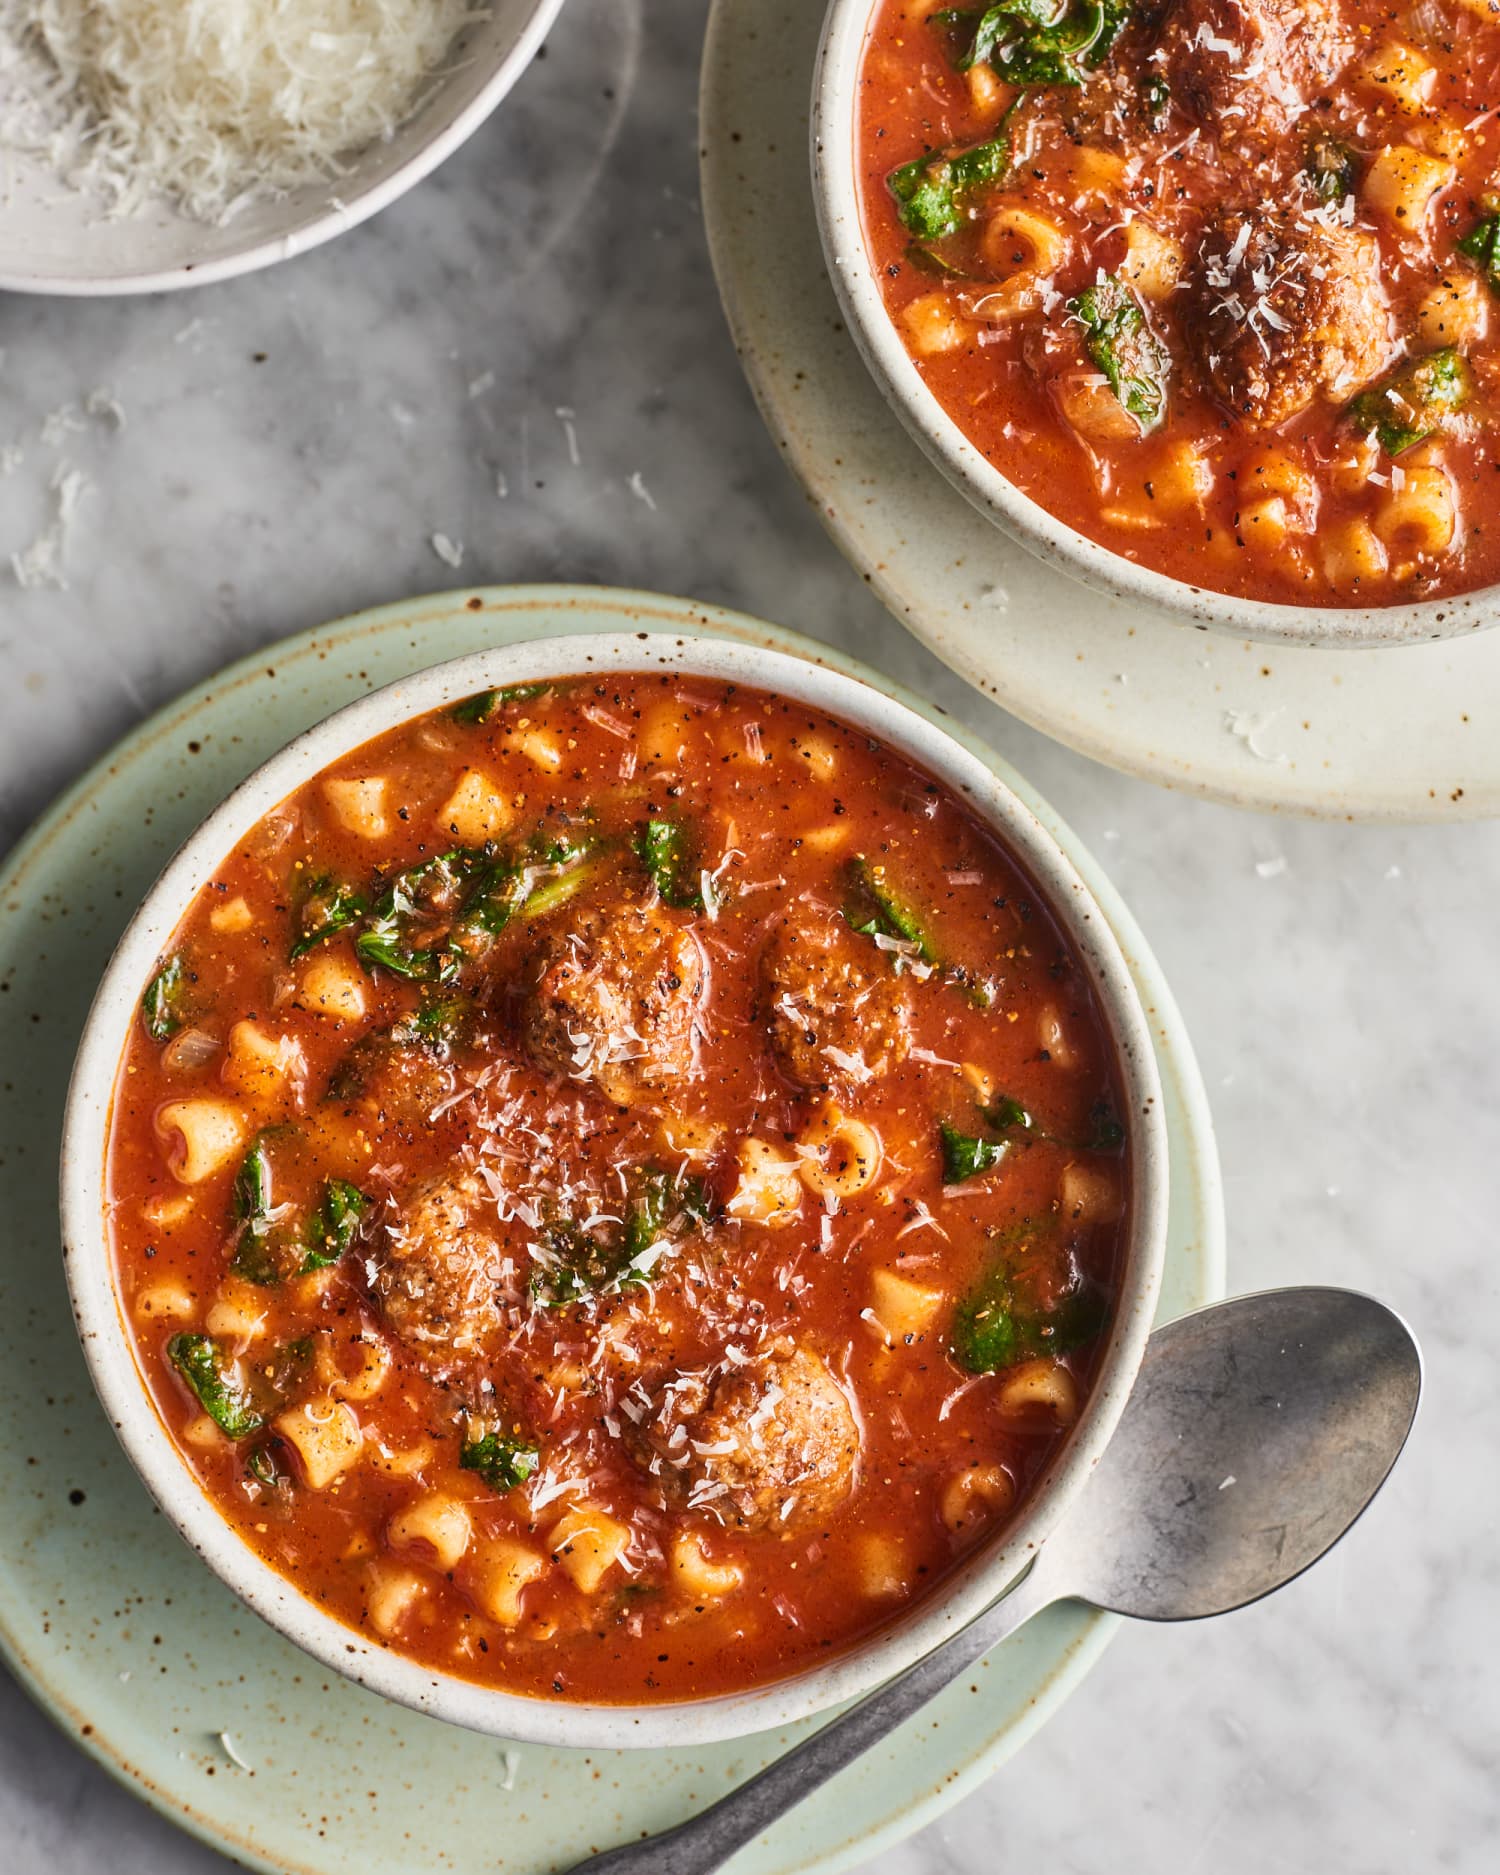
column 836, row 194
column 54, row 239
column 108, row 1345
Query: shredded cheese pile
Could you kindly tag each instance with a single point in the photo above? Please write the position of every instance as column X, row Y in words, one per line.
column 215, row 102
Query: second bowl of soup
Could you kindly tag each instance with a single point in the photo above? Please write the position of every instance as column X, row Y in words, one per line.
column 1200, row 301
column 616, row 1207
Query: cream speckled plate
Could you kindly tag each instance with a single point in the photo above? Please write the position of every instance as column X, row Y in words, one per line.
column 1398, row 734
column 127, row 1639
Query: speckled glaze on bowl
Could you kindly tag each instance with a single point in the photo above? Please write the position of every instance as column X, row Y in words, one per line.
column 108, row 1346
column 835, row 173
column 53, row 239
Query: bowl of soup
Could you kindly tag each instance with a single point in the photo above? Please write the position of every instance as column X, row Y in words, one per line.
column 615, row 1189
column 1200, row 303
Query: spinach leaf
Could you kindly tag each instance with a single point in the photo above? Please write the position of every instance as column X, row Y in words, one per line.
column 162, row 1004
column 486, row 704
column 1040, row 42
column 1125, row 349
column 1414, row 402
column 1482, row 246
column 334, row 1225
column 579, row 1264
column 270, row 1248
column 413, row 904
column 664, row 849
column 662, row 1208
column 877, row 908
column 503, row 1460
column 328, row 907
column 1015, row 1311
column 210, row 1374
column 1331, row 168
column 1006, row 1114
column 931, row 191
column 966, row 1157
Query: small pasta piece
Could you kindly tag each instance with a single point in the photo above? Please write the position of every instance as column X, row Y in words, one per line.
column 371, row 1365
column 904, row 1307
column 1264, row 524
column 933, row 325
column 1399, row 76
column 690, row 1136
column 986, row 93
column 697, row 1574
column 1040, row 1389
column 499, row 1579
column 884, row 1568
column 1401, row 183
column 1421, row 515
column 1099, row 172
column 1352, row 554
column 476, row 811
column 587, row 1544
column 981, row 1080
column 435, row 1522
column 201, row 1433
column 238, row 1313
column 202, row 1136
column 819, row 755
column 258, row 1064
column 231, row 915
column 1089, row 1195
column 1054, row 1038
column 1275, row 472
column 1182, row 479
column 408, row 1463
column 166, row 1213
column 769, row 1188
column 165, row 1302
column 839, row 1156
column 1153, row 261
column 662, row 735
column 1357, row 459
column 826, row 839
column 973, row 1496
column 539, row 748
column 1457, row 312
column 391, row 1592
column 331, row 986
column 1087, row 402
column 326, row 1437
column 1018, row 238
column 359, row 806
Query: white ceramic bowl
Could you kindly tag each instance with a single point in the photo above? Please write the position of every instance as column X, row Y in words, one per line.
column 836, row 195
column 54, row 240
column 107, row 1342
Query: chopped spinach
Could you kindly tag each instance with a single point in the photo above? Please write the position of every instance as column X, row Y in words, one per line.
column 327, row 908
column 334, row 1225
column 1033, row 1301
column 1156, row 95
column 503, row 1460
column 1038, row 42
column 966, row 1157
column 486, row 704
column 665, row 850
column 662, row 1207
column 1331, row 168
column 162, row 1004
column 1006, row 1114
column 1415, row 401
column 412, row 904
column 877, row 908
column 263, row 1467
column 1482, row 246
column 1123, row 346
column 269, row 1248
column 211, row 1375
column 578, row 1265
column 931, row 191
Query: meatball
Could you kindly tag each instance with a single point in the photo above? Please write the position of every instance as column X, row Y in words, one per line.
column 615, row 996
column 838, row 1013
column 437, row 1274
column 1248, row 69
column 765, row 1446
column 1283, row 309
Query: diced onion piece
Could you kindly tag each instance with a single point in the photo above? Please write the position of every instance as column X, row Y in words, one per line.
column 189, row 1050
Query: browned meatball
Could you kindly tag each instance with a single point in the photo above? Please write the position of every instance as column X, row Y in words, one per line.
column 616, row 992
column 839, row 1015
column 1248, row 69
column 437, row 1275
column 766, row 1446
column 1283, row 309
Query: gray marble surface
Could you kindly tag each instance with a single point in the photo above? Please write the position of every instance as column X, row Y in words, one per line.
column 292, row 442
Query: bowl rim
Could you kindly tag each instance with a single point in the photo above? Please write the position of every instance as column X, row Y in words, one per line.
column 836, row 198
column 337, row 218
column 108, row 1343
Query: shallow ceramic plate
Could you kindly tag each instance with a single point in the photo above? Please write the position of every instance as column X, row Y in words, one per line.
column 1399, row 734
column 117, row 1628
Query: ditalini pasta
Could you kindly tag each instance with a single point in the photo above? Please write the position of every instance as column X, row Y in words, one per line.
column 1217, row 282
column 617, row 1186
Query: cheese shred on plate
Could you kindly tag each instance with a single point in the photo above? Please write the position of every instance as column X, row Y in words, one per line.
column 216, row 102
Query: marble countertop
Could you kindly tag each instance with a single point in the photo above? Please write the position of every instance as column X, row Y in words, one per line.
column 526, row 356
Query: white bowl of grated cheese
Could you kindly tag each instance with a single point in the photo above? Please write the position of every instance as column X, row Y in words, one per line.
column 153, row 144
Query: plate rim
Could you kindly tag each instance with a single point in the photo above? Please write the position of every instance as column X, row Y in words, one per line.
column 1177, row 1063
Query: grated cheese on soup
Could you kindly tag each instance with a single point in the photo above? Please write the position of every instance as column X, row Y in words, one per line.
column 214, row 102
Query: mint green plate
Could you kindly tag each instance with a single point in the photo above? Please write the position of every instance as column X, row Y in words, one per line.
column 123, row 1635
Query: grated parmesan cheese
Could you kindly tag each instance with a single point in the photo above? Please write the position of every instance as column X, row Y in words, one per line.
column 214, row 102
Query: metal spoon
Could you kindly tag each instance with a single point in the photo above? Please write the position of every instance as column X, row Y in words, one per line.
column 1257, row 1432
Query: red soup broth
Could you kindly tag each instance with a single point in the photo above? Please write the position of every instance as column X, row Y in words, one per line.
column 617, row 1187
column 1218, row 289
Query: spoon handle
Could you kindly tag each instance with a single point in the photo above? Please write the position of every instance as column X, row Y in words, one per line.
column 706, row 1841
